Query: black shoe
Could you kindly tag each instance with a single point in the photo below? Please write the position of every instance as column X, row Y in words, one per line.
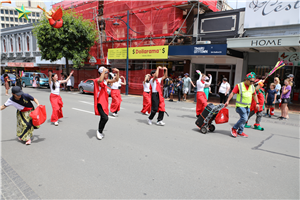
column 197, row 116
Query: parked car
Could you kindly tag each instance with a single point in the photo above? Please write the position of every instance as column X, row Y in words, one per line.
column 12, row 77
column 27, row 79
column 87, row 86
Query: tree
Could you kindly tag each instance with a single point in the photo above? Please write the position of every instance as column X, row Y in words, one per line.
column 72, row 41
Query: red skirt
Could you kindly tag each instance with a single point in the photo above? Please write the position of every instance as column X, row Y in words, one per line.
column 116, row 100
column 146, row 103
column 57, row 104
column 201, row 102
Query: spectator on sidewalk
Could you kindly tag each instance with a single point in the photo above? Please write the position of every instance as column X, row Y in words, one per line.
column 277, row 87
column 171, row 90
column 224, row 90
column 245, row 91
column 292, row 83
column 166, row 87
column 285, row 96
column 179, row 88
column 186, row 85
column 270, row 99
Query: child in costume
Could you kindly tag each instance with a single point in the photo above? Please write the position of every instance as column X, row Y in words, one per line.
column 146, row 96
column 22, row 102
column 253, row 109
column 270, row 99
column 157, row 99
column 101, row 98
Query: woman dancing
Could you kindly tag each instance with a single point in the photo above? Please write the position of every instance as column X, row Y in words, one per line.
column 201, row 97
column 146, row 96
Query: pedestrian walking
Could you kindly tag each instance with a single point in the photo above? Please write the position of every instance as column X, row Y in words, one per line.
column 55, row 98
column 270, row 99
column 6, row 83
column 37, row 79
column 201, row 97
column 259, row 112
column 166, row 87
column 115, row 94
column 157, row 99
column 285, row 97
column 101, row 97
column 186, row 85
column 245, row 91
column 18, row 81
column 146, row 96
column 179, row 88
column 34, row 81
column 22, row 102
column 224, row 90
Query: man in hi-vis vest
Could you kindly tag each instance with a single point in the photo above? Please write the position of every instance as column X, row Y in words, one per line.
column 244, row 90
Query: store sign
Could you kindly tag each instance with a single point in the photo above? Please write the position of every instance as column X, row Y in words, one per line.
column 266, row 13
column 93, row 60
column 209, row 49
column 290, row 58
column 153, row 52
column 12, row 64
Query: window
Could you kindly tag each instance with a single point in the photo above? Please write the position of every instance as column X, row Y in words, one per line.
column 16, row 13
column 29, row 3
column 27, row 39
column 33, row 14
column 33, row 20
column 16, row 19
column 2, row 18
column 3, row 25
column 26, row 74
column 11, row 45
column 7, row 19
column 2, row 11
column 6, row 12
column 12, row 25
column 29, row 20
column 7, row 25
column 11, row 19
column 20, row 20
column 25, row 20
column 38, row 14
column 11, row 12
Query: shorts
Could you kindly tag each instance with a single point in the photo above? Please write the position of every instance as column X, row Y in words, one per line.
column 285, row 100
column 185, row 90
column 37, row 82
column 270, row 102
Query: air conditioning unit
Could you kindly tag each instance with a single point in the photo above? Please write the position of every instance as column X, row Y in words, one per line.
column 203, row 42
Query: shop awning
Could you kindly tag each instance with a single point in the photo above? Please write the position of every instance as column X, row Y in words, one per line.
column 287, row 43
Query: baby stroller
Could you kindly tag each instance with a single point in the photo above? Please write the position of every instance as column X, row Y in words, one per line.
column 209, row 114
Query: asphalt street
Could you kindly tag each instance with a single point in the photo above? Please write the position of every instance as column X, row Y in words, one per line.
column 138, row 161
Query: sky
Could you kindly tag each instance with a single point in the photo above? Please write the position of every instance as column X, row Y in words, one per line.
column 233, row 3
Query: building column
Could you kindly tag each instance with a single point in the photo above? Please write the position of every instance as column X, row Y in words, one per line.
column 30, row 44
column 23, row 44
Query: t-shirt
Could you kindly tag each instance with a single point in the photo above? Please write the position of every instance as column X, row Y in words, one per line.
column 278, row 87
column 271, row 94
column 180, row 85
column 287, row 95
column 237, row 91
column 186, row 82
column 223, row 87
column 24, row 101
column 171, row 87
column 57, row 85
column 166, row 82
column 153, row 84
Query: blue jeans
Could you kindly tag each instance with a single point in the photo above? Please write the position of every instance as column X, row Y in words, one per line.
column 244, row 113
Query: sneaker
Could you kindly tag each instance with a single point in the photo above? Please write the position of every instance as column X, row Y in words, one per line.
column 243, row 135
column 233, row 132
column 100, row 136
column 56, row 123
column 270, row 116
column 115, row 114
column 149, row 121
column 28, row 142
column 197, row 116
column 160, row 123
column 147, row 113
column 266, row 114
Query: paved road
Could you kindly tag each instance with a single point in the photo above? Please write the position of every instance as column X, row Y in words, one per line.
column 139, row 161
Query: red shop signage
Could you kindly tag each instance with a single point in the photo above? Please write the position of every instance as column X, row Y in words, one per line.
column 15, row 64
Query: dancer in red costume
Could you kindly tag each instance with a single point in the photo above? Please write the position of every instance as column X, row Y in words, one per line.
column 146, row 96
column 157, row 99
column 116, row 95
column 101, row 98
column 201, row 97
column 55, row 98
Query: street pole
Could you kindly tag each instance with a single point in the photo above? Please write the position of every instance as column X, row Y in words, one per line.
column 127, row 59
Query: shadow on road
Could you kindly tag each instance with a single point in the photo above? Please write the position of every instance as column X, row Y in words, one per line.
column 92, row 133
column 143, row 121
column 188, row 116
column 222, row 132
column 37, row 139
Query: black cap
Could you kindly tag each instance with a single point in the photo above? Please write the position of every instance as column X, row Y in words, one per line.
column 16, row 90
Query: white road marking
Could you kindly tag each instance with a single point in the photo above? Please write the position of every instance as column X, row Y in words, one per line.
column 90, row 103
column 89, row 112
column 189, row 108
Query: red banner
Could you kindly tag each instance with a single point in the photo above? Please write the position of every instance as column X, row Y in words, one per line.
column 13, row 64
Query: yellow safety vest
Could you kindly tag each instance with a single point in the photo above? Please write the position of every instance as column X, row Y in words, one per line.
column 244, row 98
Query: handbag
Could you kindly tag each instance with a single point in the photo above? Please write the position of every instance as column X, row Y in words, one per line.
column 39, row 115
column 222, row 117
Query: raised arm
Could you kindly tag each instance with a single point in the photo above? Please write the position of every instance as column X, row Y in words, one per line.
column 123, row 83
column 200, row 74
column 64, row 81
column 49, row 77
column 116, row 79
column 155, row 75
column 165, row 73
column 210, row 79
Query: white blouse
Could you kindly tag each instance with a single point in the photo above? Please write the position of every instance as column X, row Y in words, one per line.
column 146, row 87
column 57, row 85
column 200, row 85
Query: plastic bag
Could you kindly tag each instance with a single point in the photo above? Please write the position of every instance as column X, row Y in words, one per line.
column 39, row 115
column 222, row 117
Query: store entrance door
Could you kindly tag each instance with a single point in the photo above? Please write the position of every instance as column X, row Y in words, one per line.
column 217, row 76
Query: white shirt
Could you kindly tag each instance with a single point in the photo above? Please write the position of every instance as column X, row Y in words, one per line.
column 200, row 85
column 57, row 85
column 146, row 87
column 69, row 82
column 153, row 84
column 116, row 85
column 223, row 87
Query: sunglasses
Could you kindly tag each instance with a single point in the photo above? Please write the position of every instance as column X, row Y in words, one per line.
column 251, row 81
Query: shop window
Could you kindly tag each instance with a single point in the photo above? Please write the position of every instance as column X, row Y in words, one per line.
column 218, row 66
column 27, row 41
column 11, row 45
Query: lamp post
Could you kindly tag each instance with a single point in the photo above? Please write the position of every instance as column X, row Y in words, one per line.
column 127, row 57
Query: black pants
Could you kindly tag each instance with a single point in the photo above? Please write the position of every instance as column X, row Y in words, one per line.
column 179, row 94
column 103, row 118
column 154, row 109
column 223, row 98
